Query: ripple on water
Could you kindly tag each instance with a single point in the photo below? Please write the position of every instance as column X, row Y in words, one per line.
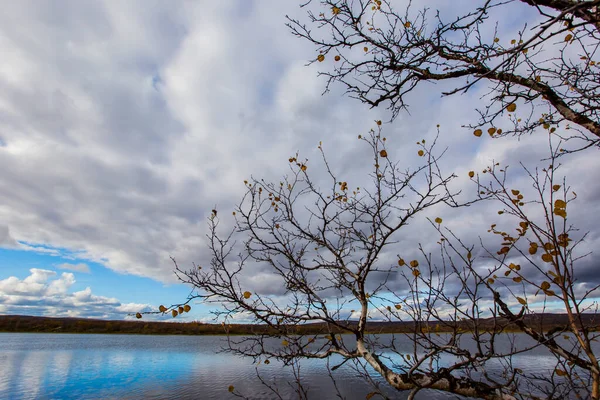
column 63, row 366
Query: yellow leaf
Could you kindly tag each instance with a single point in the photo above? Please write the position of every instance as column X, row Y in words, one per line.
column 401, row 262
column 545, row 285
column 378, row 122
column 407, row 24
column 398, row 306
column 365, row 49
column 517, row 279
column 162, row 308
column 370, row 395
column 568, row 37
column 515, row 192
column 522, row 301
column 174, row 313
column 496, row 40
column 247, row 295
column 560, row 204
column 335, row 10
column 491, row 131
column 303, row 167
column 383, row 153
column 420, row 153
column 546, row 257
column 533, row 250
column 285, row 343
column 560, row 372
column 416, row 272
column 267, row 362
column 511, row 107
column 555, row 187
column 414, row 263
column 524, row 224
column 138, row 315
column 230, row 388
column 490, row 281
column 320, row 58
column 337, row 58
column 513, row 41
column 180, row 310
column 560, row 212
column 187, row 308
column 471, row 174
column 477, row 132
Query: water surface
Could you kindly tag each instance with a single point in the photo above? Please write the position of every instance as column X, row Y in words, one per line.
column 90, row 366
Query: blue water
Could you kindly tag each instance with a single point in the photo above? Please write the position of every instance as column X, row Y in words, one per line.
column 69, row 366
column 66, row 366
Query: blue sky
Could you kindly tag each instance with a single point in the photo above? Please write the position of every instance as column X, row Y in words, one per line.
column 139, row 292
column 123, row 124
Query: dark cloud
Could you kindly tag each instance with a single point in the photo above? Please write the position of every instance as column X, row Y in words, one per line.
column 6, row 240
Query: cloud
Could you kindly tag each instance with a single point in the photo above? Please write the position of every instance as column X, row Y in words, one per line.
column 122, row 125
column 44, row 292
column 6, row 240
column 81, row 267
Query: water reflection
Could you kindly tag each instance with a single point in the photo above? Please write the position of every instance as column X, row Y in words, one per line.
column 50, row 366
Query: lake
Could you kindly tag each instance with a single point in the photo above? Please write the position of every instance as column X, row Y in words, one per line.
column 89, row 366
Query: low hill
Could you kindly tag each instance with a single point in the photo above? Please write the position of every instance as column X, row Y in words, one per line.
column 23, row 323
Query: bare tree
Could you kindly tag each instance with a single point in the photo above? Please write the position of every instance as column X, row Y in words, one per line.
column 330, row 245
column 324, row 245
column 330, row 249
column 547, row 251
column 532, row 269
column 380, row 55
column 548, row 70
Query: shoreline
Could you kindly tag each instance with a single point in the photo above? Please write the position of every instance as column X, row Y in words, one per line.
column 35, row 324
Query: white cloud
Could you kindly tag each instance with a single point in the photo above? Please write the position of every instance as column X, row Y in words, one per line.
column 43, row 292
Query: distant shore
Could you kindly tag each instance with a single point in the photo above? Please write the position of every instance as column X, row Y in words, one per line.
column 24, row 323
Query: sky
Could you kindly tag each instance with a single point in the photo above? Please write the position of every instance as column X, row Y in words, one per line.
column 123, row 124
